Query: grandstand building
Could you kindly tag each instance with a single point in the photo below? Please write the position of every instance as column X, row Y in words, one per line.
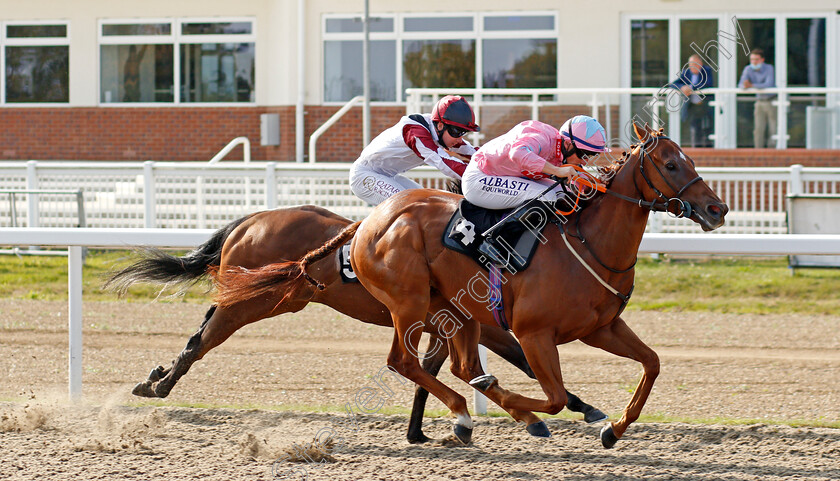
column 164, row 80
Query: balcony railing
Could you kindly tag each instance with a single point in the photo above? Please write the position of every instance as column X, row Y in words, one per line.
column 805, row 116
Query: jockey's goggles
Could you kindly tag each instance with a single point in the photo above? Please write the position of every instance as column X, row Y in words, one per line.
column 586, row 154
column 455, row 131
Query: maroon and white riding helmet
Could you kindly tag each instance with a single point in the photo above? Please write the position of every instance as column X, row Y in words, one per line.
column 454, row 110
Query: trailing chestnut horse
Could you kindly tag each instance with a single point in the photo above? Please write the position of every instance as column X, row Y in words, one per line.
column 565, row 295
column 275, row 236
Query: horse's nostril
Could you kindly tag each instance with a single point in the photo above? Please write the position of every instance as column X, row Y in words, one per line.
column 714, row 210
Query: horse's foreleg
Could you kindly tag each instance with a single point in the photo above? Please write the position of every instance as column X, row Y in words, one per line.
column 436, row 352
column 466, row 366
column 505, row 345
column 542, row 355
column 620, row 340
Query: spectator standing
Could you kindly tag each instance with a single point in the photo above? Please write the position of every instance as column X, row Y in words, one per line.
column 696, row 110
column 761, row 75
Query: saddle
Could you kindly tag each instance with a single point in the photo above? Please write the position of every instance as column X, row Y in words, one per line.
column 513, row 238
column 510, row 245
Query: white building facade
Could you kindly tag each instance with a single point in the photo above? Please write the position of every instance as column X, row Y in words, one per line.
column 176, row 80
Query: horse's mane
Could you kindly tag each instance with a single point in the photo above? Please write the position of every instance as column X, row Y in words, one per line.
column 454, row 186
column 607, row 172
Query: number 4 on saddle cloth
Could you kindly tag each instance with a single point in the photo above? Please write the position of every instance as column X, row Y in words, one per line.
column 512, row 240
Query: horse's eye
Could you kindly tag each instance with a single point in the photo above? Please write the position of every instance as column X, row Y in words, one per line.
column 670, row 166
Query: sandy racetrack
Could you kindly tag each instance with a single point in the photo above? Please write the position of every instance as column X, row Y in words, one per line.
column 766, row 368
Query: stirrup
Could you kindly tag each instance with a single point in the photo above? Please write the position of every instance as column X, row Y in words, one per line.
column 492, row 252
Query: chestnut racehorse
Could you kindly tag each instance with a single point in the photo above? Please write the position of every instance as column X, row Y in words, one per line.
column 566, row 294
column 276, row 236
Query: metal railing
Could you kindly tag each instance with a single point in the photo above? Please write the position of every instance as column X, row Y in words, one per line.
column 659, row 106
column 167, row 194
column 313, row 139
column 246, row 150
column 34, row 218
column 75, row 239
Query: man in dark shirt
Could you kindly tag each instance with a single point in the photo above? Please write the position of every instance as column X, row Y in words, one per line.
column 696, row 110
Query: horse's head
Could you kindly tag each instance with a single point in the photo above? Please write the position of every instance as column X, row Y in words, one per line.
column 669, row 178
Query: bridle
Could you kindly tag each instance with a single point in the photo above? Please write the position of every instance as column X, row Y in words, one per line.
column 666, row 202
column 662, row 203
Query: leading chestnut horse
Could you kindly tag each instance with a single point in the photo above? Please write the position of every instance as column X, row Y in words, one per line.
column 275, row 236
column 566, row 294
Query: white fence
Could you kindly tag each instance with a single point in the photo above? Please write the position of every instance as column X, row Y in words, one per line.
column 191, row 195
column 75, row 239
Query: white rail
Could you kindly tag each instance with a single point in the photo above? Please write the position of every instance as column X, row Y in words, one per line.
column 167, row 194
column 246, row 150
column 313, row 139
column 75, row 239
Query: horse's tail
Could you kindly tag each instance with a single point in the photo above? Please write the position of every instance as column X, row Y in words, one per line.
column 236, row 284
column 158, row 267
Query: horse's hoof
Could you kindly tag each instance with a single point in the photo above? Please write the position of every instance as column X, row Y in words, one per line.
column 156, row 374
column 594, row 416
column 538, row 430
column 144, row 389
column 421, row 439
column 608, row 438
column 484, row 382
column 464, row 434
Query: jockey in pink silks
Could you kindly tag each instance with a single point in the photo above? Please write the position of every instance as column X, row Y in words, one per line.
column 514, row 168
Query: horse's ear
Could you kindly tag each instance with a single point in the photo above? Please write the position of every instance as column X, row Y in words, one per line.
column 642, row 132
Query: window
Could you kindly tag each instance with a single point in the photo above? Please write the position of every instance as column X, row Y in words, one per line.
column 524, row 55
column 343, row 59
column 138, row 66
column 37, row 60
column 210, row 61
column 426, row 50
column 799, row 48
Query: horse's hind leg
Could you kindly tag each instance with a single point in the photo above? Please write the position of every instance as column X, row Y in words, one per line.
column 147, row 387
column 620, row 340
column 409, row 318
column 436, row 353
column 218, row 325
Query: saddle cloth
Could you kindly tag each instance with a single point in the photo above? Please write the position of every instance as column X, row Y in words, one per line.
column 344, row 267
column 515, row 241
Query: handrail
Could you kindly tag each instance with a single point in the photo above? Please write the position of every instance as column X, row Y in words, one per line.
column 76, row 239
column 313, row 139
column 246, row 146
column 722, row 135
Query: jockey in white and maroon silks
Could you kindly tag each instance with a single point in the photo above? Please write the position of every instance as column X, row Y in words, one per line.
column 415, row 140
column 513, row 168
